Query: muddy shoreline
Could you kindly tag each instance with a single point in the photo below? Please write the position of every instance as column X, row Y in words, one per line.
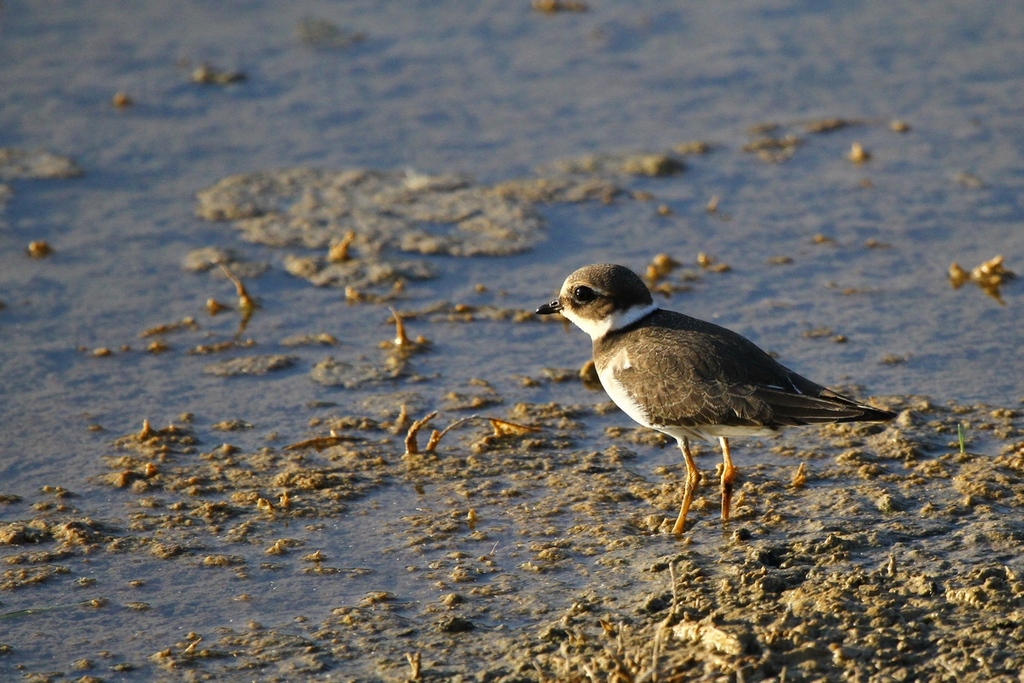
column 893, row 556
column 213, row 222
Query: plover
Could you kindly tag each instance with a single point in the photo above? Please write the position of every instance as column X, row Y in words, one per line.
column 689, row 378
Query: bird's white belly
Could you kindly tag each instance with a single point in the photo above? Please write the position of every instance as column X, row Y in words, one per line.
column 618, row 393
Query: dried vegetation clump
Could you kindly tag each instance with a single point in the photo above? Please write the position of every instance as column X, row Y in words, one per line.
column 989, row 275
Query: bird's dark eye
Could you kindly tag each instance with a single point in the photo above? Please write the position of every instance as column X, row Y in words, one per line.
column 584, row 294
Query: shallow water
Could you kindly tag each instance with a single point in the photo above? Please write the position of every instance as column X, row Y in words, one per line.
column 499, row 92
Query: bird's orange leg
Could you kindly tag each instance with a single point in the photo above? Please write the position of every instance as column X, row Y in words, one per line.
column 692, row 479
column 728, row 477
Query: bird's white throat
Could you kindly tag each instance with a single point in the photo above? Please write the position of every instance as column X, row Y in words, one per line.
column 615, row 321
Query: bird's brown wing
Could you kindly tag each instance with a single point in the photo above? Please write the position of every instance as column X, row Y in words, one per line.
column 688, row 386
column 696, row 373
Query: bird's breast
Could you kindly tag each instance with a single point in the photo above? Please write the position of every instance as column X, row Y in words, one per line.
column 615, row 374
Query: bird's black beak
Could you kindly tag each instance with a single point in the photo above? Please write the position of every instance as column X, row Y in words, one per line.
column 549, row 308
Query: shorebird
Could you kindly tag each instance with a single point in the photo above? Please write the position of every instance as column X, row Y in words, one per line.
column 688, row 378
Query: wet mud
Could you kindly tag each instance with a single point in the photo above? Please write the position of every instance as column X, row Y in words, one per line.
column 382, row 465
column 529, row 540
column 854, row 553
column 498, row 538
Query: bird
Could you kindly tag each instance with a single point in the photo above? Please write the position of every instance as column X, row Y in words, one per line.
column 688, row 378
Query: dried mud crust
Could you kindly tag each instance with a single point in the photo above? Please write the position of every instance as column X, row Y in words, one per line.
column 381, row 211
column 857, row 553
column 359, row 217
column 17, row 164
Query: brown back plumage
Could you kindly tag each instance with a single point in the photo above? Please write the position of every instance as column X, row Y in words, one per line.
column 708, row 375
